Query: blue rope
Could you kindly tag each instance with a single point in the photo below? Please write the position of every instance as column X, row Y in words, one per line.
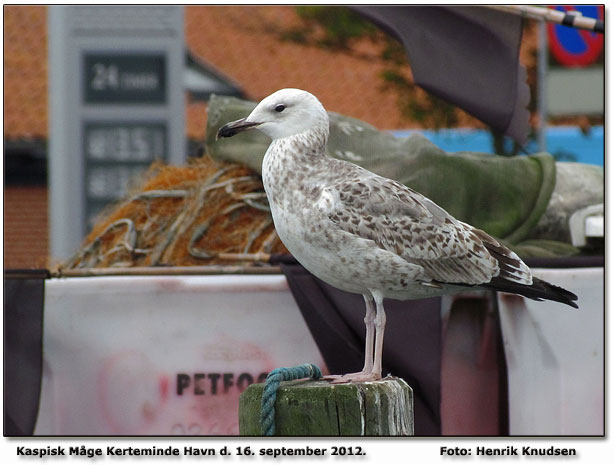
column 271, row 385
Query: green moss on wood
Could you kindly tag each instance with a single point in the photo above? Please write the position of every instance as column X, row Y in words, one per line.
column 319, row 408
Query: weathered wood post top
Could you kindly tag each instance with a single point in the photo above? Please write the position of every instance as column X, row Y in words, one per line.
column 320, row 408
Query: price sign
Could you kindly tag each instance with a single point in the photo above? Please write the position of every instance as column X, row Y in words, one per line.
column 117, row 103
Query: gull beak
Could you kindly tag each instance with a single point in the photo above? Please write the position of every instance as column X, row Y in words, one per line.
column 235, row 127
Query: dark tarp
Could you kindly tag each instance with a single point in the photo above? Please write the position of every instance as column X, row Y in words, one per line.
column 467, row 55
column 23, row 335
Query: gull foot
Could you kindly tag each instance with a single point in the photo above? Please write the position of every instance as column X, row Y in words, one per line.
column 352, row 378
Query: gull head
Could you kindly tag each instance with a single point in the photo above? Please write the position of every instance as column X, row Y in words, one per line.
column 282, row 114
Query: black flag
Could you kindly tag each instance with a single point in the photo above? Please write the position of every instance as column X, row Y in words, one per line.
column 467, row 56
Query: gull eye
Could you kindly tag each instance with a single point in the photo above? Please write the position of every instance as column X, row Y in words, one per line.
column 279, row 108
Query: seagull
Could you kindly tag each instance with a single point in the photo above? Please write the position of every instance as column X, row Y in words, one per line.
column 366, row 234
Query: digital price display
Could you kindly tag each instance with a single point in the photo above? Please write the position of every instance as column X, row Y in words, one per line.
column 124, row 78
column 116, row 154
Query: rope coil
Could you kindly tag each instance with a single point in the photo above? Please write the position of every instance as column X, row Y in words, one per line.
column 269, row 394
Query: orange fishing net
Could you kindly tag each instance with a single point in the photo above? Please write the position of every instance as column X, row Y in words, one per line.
column 183, row 216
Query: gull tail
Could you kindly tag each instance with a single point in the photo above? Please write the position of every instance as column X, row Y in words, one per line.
column 539, row 290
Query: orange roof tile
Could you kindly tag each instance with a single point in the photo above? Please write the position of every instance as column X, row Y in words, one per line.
column 25, row 72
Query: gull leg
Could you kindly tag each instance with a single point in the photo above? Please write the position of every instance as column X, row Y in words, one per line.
column 380, row 324
column 368, row 371
column 369, row 334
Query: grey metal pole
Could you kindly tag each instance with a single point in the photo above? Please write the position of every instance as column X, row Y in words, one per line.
column 64, row 228
column 542, row 71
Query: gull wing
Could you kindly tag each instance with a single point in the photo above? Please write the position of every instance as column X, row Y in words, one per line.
column 406, row 223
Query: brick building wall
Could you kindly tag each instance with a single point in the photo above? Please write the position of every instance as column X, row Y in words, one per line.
column 26, row 243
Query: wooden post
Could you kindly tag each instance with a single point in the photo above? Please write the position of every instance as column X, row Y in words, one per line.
column 319, row 408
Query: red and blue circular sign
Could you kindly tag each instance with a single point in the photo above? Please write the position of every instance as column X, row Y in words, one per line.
column 576, row 47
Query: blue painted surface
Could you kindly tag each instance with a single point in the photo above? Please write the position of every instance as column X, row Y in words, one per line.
column 566, row 143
